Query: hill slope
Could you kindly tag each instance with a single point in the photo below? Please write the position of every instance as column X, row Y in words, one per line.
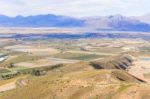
column 76, row 85
column 81, row 81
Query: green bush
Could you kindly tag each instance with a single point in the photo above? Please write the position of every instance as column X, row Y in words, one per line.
column 36, row 72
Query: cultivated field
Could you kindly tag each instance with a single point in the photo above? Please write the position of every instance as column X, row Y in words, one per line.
column 67, row 68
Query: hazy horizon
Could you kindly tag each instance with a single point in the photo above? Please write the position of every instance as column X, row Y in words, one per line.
column 76, row 8
column 97, row 16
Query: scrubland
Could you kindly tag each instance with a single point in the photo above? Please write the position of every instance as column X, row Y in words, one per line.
column 75, row 69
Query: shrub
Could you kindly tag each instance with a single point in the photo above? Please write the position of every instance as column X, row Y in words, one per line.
column 36, row 72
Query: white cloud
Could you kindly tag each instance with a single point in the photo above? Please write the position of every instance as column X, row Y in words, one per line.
column 74, row 8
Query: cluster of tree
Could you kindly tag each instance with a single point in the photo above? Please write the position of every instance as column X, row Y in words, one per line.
column 9, row 75
column 33, row 71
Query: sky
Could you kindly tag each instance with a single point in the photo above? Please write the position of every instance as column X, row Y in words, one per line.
column 75, row 8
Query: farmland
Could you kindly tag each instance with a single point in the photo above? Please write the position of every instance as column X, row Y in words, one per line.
column 68, row 64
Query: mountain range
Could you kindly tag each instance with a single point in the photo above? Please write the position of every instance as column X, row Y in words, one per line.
column 113, row 22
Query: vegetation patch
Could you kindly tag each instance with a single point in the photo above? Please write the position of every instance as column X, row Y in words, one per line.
column 8, row 75
column 78, row 56
column 108, row 50
column 123, row 87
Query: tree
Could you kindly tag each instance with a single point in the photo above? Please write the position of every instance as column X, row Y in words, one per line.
column 36, row 72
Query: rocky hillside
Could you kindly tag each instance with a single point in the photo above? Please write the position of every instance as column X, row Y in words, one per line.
column 117, row 62
column 82, row 81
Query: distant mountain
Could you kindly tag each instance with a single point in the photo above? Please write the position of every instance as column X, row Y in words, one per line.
column 124, row 23
column 115, row 22
column 40, row 21
column 144, row 18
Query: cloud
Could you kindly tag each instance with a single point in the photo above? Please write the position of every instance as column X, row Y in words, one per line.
column 77, row 8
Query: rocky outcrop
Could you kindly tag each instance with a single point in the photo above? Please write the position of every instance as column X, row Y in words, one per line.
column 117, row 62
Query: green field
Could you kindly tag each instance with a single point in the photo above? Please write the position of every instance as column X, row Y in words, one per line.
column 108, row 50
column 78, row 56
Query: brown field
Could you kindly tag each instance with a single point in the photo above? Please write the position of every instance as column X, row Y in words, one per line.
column 45, row 62
column 35, row 50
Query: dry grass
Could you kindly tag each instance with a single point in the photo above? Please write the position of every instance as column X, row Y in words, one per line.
column 19, row 58
column 78, row 80
column 44, row 62
column 2, row 82
column 35, row 50
column 67, row 85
